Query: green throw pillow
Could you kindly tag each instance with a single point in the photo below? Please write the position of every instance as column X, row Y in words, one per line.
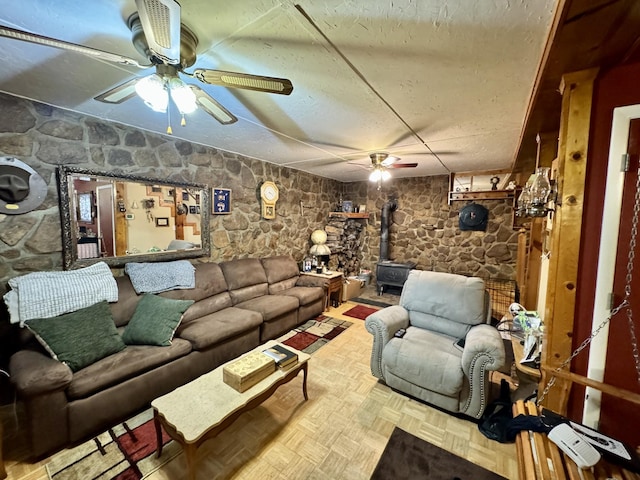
column 155, row 320
column 79, row 338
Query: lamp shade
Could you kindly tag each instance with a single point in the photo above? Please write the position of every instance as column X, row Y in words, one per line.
column 320, row 249
column 154, row 93
column 319, row 237
column 182, row 95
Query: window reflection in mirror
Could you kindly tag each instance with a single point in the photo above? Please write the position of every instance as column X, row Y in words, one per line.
column 120, row 218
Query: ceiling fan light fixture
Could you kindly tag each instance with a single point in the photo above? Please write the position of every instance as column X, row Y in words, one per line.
column 153, row 91
column 182, row 96
column 379, row 174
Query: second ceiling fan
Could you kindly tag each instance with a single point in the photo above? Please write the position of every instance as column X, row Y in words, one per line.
column 170, row 47
column 381, row 162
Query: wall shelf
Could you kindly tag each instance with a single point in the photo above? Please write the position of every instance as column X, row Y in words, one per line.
column 349, row 215
column 481, row 195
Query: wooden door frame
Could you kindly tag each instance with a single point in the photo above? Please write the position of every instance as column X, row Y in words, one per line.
column 614, row 187
column 565, row 239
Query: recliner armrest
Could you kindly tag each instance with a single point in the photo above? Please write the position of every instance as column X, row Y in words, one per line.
column 309, row 281
column 33, row 373
column 483, row 340
column 483, row 351
column 382, row 325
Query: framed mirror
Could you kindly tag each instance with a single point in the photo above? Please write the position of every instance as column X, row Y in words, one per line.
column 119, row 218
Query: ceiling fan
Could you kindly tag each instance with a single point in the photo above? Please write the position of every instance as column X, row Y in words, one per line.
column 171, row 47
column 380, row 163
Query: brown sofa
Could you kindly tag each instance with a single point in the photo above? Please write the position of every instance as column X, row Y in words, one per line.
column 238, row 305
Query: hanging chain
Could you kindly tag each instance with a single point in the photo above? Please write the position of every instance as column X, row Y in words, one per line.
column 624, row 304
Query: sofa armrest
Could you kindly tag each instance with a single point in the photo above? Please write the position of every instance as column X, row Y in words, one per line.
column 33, row 373
column 309, row 281
column 382, row 325
column 483, row 352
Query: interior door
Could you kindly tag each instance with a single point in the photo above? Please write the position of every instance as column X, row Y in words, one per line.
column 617, row 415
column 106, row 228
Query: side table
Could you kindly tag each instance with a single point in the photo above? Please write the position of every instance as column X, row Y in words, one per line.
column 334, row 285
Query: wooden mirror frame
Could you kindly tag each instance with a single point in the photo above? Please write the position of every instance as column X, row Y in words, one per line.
column 70, row 239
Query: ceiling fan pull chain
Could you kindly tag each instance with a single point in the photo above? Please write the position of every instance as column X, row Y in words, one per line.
column 624, row 304
column 169, row 130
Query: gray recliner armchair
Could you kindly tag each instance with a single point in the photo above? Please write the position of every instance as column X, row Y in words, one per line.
column 438, row 310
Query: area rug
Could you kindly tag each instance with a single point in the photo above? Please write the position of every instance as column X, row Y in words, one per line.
column 360, row 311
column 315, row 333
column 407, row 456
column 124, row 452
column 118, row 455
column 370, row 302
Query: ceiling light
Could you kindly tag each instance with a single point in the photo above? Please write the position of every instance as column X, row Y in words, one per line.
column 153, row 91
column 182, row 95
column 379, row 174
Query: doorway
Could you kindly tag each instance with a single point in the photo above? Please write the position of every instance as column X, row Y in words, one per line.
column 106, row 228
column 612, row 345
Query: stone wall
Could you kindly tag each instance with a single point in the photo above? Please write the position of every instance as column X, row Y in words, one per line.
column 45, row 137
column 425, row 229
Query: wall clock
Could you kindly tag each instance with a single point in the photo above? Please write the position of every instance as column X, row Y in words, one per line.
column 269, row 196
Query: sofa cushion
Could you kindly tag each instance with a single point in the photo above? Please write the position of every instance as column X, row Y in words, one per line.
column 305, row 295
column 209, row 282
column 271, row 306
column 79, row 338
column 128, row 363
column 280, row 268
column 245, row 278
column 206, row 306
column 128, row 299
column 426, row 359
column 216, row 327
column 282, row 285
column 154, row 321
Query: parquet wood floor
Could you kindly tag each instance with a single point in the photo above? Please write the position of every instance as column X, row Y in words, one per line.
column 339, row 433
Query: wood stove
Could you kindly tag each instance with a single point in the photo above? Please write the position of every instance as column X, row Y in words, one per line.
column 388, row 272
column 394, row 274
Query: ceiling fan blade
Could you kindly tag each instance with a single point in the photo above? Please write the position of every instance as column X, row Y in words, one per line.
column 160, row 21
column 403, row 165
column 213, row 108
column 389, row 161
column 120, row 93
column 73, row 47
column 246, row 81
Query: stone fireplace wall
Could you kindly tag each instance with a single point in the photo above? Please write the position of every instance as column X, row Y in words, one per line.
column 45, row 137
column 424, row 229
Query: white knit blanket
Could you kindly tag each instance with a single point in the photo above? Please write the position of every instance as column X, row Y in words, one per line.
column 161, row 276
column 49, row 294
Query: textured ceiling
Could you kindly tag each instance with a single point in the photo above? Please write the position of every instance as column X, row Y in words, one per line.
column 442, row 83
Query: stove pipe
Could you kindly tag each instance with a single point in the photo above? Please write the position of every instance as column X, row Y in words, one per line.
column 385, row 220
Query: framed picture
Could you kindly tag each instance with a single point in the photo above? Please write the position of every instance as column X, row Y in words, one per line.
column 192, row 209
column 85, row 207
column 185, row 196
column 221, row 202
column 162, row 221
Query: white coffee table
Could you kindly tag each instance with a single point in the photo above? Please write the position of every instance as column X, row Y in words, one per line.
column 199, row 410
